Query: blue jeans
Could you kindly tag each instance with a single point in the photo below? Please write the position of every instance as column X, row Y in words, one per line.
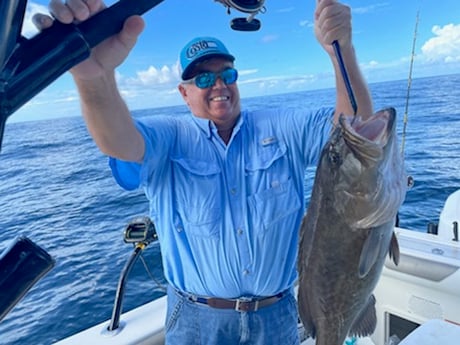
column 190, row 323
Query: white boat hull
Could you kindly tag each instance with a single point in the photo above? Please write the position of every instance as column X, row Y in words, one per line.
column 424, row 289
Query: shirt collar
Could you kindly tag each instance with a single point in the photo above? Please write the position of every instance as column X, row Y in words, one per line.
column 208, row 127
column 204, row 125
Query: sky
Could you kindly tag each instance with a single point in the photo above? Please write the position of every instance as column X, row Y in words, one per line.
column 283, row 56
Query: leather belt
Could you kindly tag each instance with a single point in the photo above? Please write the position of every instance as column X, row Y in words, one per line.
column 240, row 304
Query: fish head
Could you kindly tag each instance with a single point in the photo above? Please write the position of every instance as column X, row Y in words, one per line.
column 365, row 170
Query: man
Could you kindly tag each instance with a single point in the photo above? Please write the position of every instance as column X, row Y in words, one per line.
column 226, row 186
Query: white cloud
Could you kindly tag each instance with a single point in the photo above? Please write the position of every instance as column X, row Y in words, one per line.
column 247, row 71
column 152, row 77
column 439, row 55
column 370, row 65
column 287, row 82
column 269, row 38
column 307, row 23
column 370, row 8
column 445, row 46
column 286, row 10
column 151, row 87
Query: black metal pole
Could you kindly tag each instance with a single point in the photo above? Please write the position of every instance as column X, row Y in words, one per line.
column 35, row 63
column 118, row 305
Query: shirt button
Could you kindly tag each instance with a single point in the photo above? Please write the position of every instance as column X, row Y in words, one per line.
column 233, row 191
column 240, row 231
column 246, row 272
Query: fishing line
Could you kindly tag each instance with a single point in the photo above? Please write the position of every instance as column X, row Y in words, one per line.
column 409, row 84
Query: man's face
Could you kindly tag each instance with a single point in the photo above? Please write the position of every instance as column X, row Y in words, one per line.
column 219, row 103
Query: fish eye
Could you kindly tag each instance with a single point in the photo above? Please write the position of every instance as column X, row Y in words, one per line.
column 334, row 157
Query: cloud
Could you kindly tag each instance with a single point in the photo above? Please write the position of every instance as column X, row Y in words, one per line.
column 286, row 82
column 370, row 8
column 445, row 46
column 307, row 23
column 439, row 55
column 247, row 71
column 28, row 28
column 286, row 9
column 370, row 65
column 269, row 38
column 152, row 77
column 151, row 87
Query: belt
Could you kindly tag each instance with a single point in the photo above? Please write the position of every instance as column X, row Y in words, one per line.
column 240, row 304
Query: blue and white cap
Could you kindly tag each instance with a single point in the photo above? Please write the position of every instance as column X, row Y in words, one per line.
column 200, row 49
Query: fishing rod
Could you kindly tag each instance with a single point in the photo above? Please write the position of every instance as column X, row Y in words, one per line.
column 409, row 84
column 346, row 79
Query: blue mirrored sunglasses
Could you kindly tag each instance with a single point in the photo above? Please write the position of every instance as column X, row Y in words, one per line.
column 208, row 79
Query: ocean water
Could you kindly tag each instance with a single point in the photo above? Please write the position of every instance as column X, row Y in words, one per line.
column 56, row 188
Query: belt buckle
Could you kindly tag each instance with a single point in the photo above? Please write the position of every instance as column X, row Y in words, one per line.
column 242, row 305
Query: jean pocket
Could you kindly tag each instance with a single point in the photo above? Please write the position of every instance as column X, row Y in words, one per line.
column 174, row 309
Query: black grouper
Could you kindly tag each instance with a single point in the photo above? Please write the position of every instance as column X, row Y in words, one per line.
column 348, row 228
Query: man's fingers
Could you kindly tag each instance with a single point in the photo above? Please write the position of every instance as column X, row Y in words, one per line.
column 131, row 30
column 79, row 9
column 74, row 10
column 42, row 21
column 60, row 11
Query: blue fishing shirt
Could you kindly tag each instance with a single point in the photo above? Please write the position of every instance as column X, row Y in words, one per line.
column 228, row 216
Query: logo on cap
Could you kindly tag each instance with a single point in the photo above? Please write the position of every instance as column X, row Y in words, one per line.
column 198, row 47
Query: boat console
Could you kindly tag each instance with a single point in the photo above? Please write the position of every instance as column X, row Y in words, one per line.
column 425, row 284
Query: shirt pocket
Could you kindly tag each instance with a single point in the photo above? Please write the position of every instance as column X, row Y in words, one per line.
column 270, row 208
column 274, row 196
column 197, row 186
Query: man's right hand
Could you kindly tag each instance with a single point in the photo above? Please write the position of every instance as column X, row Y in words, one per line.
column 106, row 56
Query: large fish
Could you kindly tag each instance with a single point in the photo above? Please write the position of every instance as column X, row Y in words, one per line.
column 347, row 231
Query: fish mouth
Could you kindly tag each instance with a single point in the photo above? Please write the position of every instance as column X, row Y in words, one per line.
column 368, row 138
column 371, row 167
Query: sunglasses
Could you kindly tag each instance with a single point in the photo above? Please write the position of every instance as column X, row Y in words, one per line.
column 208, row 79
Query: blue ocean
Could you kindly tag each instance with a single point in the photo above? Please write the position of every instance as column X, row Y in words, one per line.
column 56, row 189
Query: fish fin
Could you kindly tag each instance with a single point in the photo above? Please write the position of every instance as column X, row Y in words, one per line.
column 366, row 321
column 394, row 249
column 304, row 312
column 370, row 251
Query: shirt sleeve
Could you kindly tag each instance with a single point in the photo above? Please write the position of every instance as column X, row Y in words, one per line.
column 320, row 127
column 306, row 132
column 127, row 174
column 157, row 133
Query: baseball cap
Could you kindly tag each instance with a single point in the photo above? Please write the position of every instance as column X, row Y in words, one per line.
column 200, row 49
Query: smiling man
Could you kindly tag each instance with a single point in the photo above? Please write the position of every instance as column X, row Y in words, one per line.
column 225, row 185
column 209, row 87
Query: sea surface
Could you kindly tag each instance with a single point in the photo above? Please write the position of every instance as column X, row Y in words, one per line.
column 56, row 189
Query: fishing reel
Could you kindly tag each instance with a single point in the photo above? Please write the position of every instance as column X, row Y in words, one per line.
column 140, row 230
column 252, row 7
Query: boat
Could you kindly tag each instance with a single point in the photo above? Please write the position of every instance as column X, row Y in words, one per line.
column 418, row 301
